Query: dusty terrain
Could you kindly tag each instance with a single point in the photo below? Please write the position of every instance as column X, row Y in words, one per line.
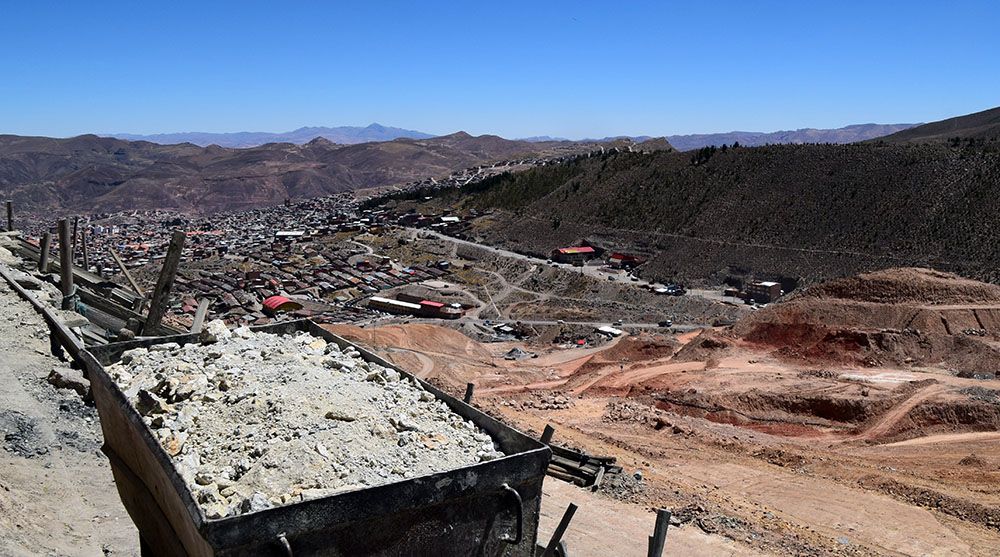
column 57, row 495
column 758, row 438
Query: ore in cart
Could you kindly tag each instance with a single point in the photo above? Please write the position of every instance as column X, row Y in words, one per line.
column 488, row 509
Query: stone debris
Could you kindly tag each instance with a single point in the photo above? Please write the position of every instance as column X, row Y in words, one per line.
column 68, row 378
column 256, row 420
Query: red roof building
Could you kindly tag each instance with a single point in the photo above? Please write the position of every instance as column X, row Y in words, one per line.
column 274, row 304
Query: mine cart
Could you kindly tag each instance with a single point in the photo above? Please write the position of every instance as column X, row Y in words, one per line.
column 488, row 509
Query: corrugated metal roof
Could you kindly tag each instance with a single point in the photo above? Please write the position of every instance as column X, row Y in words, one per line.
column 577, row 249
column 281, row 303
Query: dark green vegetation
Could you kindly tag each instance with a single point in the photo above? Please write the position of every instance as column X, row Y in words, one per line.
column 809, row 211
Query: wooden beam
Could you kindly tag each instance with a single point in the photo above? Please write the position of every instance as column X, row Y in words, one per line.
column 547, row 434
column 659, row 537
column 199, row 316
column 128, row 275
column 76, row 226
column 161, row 295
column 469, row 389
column 10, row 216
column 560, row 531
column 86, row 256
column 43, row 255
column 65, row 263
column 598, row 479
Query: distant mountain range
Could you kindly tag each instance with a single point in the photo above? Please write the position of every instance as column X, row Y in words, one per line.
column 344, row 135
column 350, row 135
column 847, row 134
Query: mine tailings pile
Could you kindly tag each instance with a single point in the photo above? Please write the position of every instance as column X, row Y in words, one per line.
column 878, row 357
column 906, row 316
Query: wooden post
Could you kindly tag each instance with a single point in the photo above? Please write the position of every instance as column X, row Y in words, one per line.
column 659, row 537
column 43, row 256
column 65, row 263
column 547, row 434
column 10, row 216
column 469, row 388
column 199, row 316
column 86, row 256
column 76, row 225
column 560, row 531
column 161, row 295
column 128, row 275
column 598, row 479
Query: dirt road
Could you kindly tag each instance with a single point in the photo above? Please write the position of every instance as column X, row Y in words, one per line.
column 57, row 495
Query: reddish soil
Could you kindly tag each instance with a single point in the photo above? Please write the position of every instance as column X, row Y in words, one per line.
column 816, row 426
column 913, row 317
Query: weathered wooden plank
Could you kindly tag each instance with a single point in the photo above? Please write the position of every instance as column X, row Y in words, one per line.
column 199, row 316
column 161, row 294
column 128, row 276
column 560, row 531
column 65, row 263
column 43, row 255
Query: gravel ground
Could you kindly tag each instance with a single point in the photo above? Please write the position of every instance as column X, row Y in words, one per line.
column 255, row 420
column 57, row 495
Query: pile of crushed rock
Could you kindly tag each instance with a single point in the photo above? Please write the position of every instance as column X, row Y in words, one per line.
column 254, row 420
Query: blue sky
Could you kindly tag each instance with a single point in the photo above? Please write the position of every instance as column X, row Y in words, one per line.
column 573, row 69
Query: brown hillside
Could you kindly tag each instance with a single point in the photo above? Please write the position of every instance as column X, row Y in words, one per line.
column 95, row 174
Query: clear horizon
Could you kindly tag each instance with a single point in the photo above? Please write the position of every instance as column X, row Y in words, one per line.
column 519, row 70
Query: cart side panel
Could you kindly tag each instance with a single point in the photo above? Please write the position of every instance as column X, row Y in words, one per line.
column 128, row 449
column 457, row 527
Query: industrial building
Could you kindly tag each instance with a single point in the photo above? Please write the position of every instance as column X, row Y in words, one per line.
column 576, row 255
column 625, row 260
column 763, row 292
column 397, row 307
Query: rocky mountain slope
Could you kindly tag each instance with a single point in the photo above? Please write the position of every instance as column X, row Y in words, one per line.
column 803, row 211
column 980, row 125
column 94, row 174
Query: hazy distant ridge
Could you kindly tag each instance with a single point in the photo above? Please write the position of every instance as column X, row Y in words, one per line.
column 350, row 135
column 344, row 135
column 847, row 134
